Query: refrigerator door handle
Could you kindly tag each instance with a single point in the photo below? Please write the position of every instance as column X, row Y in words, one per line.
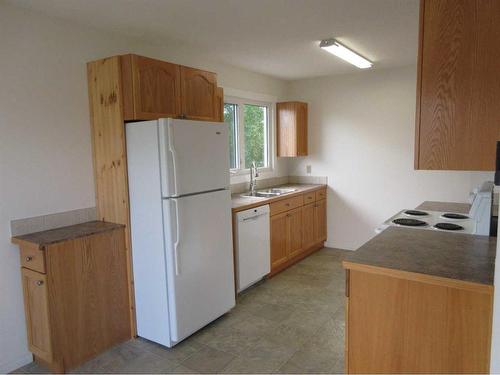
column 177, row 238
column 172, row 152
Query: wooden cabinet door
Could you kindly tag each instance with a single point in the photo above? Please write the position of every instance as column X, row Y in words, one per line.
column 320, row 221
column 294, row 228
column 219, row 108
column 156, row 88
column 458, row 90
column 36, row 308
column 301, row 124
column 308, row 219
column 279, row 233
column 198, row 94
column 291, row 129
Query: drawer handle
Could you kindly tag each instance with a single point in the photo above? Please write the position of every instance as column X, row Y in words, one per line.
column 39, row 282
column 29, row 259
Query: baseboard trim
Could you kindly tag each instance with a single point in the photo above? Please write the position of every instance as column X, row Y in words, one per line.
column 10, row 366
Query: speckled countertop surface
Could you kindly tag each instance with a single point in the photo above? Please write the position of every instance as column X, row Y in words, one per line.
column 461, row 208
column 240, row 203
column 52, row 236
column 456, row 256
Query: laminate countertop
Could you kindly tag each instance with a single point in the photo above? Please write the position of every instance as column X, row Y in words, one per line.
column 240, row 203
column 52, row 236
column 460, row 208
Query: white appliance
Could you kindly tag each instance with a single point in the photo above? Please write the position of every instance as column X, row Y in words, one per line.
column 180, row 213
column 253, row 248
column 477, row 221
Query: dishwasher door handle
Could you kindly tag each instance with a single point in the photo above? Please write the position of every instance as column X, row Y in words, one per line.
column 254, row 217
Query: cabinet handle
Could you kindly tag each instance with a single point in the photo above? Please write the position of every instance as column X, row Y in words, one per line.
column 29, row 259
column 39, row 282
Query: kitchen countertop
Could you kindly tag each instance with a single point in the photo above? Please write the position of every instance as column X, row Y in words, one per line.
column 462, row 257
column 240, row 203
column 461, row 208
column 52, row 236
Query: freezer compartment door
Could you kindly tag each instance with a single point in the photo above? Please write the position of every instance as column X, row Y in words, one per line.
column 200, row 260
column 194, row 156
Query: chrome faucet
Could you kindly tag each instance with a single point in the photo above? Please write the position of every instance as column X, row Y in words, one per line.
column 253, row 175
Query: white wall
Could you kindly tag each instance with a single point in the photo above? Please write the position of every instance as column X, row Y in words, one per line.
column 45, row 149
column 361, row 129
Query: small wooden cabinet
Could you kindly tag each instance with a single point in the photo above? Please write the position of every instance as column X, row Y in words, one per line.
column 297, row 229
column 458, row 90
column 75, row 292
column 150, row 89
column 291, row 129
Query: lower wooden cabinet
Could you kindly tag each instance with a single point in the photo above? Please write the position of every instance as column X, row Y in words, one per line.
column 297, row 229
column 78, row 305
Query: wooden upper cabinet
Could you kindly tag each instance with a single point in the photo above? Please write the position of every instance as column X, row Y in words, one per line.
column 291, row 128
column 198, row 94
column 152, row 88
column 458, row 85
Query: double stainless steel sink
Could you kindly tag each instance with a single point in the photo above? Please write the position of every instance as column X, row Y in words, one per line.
column 268, row 193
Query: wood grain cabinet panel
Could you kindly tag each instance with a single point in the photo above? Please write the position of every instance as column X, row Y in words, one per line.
column 219, row 107
column 279, row 253
column 199, row 94
column 294, row 235
column 36, row 307
column 308, row 219
column 399, row 325
column 458, row 90
column 291, row 129
column 155, row 90
column 320, row 220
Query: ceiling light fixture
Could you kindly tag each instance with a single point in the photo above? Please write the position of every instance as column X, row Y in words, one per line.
column 339, row 50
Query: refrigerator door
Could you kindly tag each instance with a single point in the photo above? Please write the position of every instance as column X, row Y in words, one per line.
column 194, row 156
column 199, row 260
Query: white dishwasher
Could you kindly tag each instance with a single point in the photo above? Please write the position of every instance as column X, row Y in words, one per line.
column 253, row 249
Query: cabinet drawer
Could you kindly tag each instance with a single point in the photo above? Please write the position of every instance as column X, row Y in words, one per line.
column 33, row 258
column 309, row 197
column 286, row 204
column 321, row 194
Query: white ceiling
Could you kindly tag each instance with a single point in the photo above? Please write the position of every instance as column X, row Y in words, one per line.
column 275, row 37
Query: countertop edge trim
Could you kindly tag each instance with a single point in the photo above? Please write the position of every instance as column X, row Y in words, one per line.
column 420, row 277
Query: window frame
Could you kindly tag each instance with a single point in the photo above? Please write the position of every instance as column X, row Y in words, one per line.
column 240, row 134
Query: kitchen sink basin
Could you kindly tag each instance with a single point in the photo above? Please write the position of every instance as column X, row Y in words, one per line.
column 268, row 193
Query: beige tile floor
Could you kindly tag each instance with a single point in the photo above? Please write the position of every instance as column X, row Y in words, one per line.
column 291, row 323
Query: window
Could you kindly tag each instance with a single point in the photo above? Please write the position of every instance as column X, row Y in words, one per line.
column 249, row 133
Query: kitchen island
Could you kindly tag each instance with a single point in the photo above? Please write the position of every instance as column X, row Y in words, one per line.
column 420, row 301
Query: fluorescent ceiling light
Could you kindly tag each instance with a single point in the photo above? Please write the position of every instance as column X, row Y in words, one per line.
column 337, row 49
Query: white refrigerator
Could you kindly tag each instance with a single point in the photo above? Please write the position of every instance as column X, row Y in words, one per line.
column 180, row 211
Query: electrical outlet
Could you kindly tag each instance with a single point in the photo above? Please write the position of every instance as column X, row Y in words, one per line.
column 308, row 169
